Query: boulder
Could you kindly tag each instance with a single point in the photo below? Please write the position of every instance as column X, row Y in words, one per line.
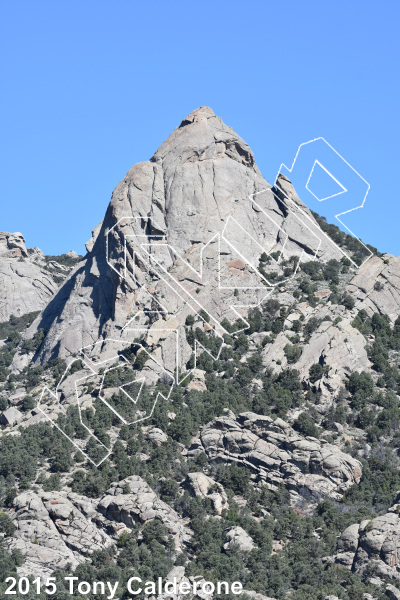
column 203, row 486
column 198, row 382
column 12, row 245
column 237, row 537
column 392, row 592
column 95, row 232
column 156, row 436
column 17, row 396
column 11, row 416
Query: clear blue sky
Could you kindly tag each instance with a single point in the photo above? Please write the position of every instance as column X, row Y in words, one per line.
column 90, row 88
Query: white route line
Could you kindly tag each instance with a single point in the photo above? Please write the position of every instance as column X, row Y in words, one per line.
column 339, row 214
column 316, row 162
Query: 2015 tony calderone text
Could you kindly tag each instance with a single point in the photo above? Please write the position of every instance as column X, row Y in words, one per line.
column 135, row 586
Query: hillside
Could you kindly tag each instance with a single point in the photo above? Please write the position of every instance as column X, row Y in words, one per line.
column 212, row 391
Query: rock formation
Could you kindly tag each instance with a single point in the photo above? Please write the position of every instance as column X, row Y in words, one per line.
column 238, row 538
column 54, row 530
column 132, row 501
column 204, row 487
column 278, row 455
column 201, row 182
column 376, row 286
column 373, row 543
column 57, row 528
column 335, row 344
column 25, row 286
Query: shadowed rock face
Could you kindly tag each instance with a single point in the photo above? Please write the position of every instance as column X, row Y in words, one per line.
column 199, row 183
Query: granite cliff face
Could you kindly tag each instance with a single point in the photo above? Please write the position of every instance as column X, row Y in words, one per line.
column 201, row 182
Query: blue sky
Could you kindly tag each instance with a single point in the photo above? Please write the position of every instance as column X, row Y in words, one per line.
column 90, row 88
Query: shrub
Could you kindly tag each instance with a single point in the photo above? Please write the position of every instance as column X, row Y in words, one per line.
column 292, row 353
column 348, row 302
column 28, row 403
column 235, row 477
column 189, row 320
column 360, row 382
column 63, row 259
column 169, row 490
column 204, row 315
column 305, row 425
column 6, row 525
column 311, row 325
column 34, row 343
column 296, row 326
column 313, row 269
column 315, row 372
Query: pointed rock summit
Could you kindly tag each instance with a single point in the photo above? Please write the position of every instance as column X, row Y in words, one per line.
column 201, row 187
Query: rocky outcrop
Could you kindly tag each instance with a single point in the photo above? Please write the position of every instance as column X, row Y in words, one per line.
column 25, row 286
column 198, row 382
column 277, row 455
column 55, row 529
column 340, row 347
column 376, row 286
column 374, row 543
column 204, row 487
column 11, row 416
column 132, row 501
column 335, row 344
column 12, row 245
column 95, row 232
